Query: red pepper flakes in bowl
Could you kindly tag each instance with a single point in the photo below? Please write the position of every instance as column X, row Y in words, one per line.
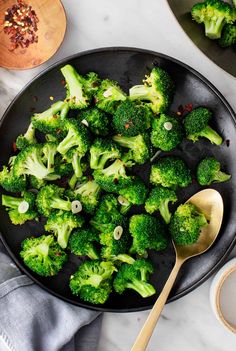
column 20, row 23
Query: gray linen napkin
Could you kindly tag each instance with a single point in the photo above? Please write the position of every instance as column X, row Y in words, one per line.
column 33, row 320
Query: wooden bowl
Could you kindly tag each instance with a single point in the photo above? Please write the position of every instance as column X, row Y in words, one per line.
column 224, row 58
column 51, row 31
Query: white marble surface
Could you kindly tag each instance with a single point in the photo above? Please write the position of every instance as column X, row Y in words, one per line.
column 187, row 324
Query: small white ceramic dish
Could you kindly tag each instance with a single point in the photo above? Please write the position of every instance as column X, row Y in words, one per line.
column 223, row 295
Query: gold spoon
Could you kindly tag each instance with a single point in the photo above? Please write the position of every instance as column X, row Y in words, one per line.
column 209, row 202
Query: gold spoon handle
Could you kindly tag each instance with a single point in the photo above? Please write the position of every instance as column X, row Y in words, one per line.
column 147, row 330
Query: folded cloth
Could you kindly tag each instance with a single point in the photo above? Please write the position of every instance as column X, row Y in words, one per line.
column 33, row 320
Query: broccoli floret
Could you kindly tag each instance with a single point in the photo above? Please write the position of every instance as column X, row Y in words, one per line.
column 96, row 120
column 101, row 151
column 49, row 120
column 8, row 179
column 91, row 83
column 158, row 89
column 107, row 214
column 185, row 224
column 135, row 194
column 196, row 125
column 20, row 209
column 148, row 233
column 92, row 281
column 74, row 157
column 228, row 37
column 113, row 178
column 88, row 193
column 81, row 243
column 50, row 151
column 30, row 162
column 114, row 245
column 138, row 149
column 63, row 166
column 77, row 136
column 167, row 132
column 208, row 171
column 135, row 276
column 109, row 95
column 159, row 199
column 61, row 224
column 214, row 14
column 131, row 119
column 26, row 139
column 36, row 183
column 170, row 172
column 76, row 95
column 51, row 197
column 43, row 255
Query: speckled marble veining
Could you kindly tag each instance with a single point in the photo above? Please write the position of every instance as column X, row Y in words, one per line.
column 187, row 324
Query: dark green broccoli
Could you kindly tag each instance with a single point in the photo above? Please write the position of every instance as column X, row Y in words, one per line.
column 170, row 172
column 77, row 136
column 63, row 165
column 49, row 120
column 196, row 125
column 91, row 83
column 61, row 224
column 88, row 193
column 214, row 14
column 135, row 276
column 20, row 209
column 186, row 223
column 167, row 132
column 43, row 255
column 148, row 233
column 51, row 197
column 158, row 89
column 92, row 281
column 113, row 178
column 208, row 171
column 137, row 145
column 102, row 151
column 159, row 199
column 26, row 139
column 96, row 120
column 76, row 95
column 228, row 37
column 81, row 243
column 36, row 183
column 135, row 194
column 107, row 214
column 131, row 118
column 8, row 179
column 30, row 161
column 109, row 95
column 115, row 241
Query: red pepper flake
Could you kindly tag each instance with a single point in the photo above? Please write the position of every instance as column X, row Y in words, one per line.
column 188, row 107
column 20, row 23
column 35, row 98
column 58, row 254
column 63, row 82
column 180, row 110
column 56, row 116
column 14, row 147
column 115, row 181
column 127, row 125
column 227, row 142
column 90, row 177
column 58, row 131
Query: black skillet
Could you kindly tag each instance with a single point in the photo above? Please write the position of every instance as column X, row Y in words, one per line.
column 128, row 66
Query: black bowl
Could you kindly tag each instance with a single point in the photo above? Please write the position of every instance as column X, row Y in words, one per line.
column 223, row 57
column 128, row 66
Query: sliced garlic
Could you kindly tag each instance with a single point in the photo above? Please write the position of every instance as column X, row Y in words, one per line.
column 122, row 200
column 76, row 206
column 23, row 207
column 85, row 122
column 107, row 93
column 168, row 125
column 117, row 232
